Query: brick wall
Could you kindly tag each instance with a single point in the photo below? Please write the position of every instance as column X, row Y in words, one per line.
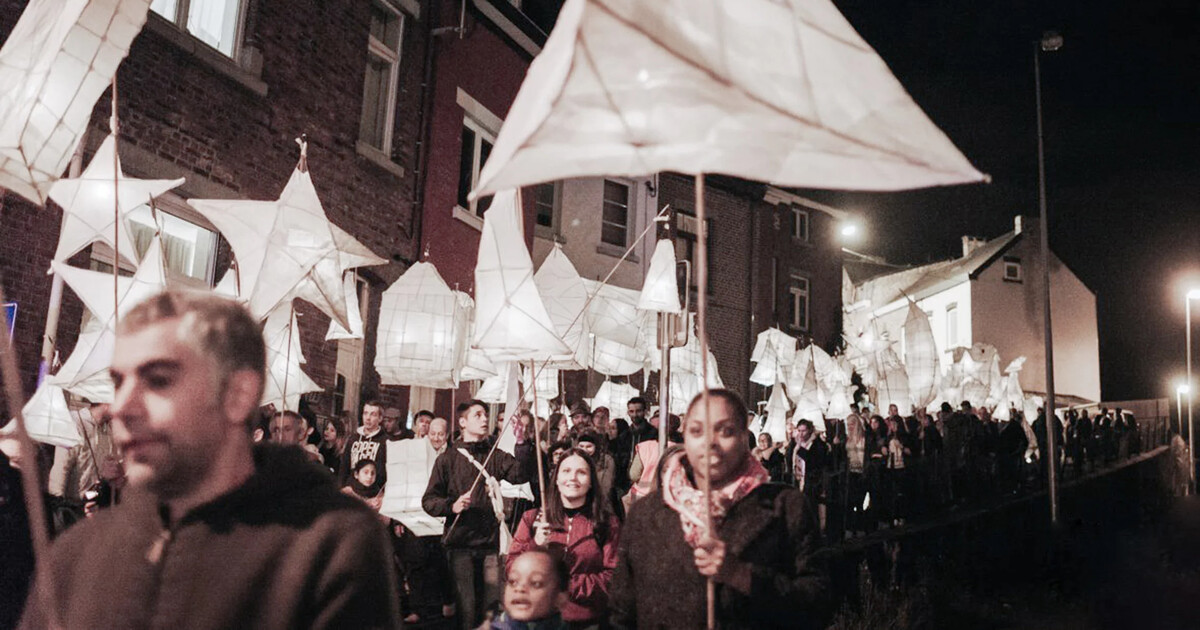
column 182, row 117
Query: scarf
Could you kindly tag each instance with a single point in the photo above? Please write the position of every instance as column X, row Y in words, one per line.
column 799, row 464
column 682, row 496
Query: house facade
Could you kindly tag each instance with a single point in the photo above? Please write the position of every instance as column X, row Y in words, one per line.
column 992, row 294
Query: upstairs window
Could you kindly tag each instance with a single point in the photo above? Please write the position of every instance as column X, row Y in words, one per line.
column 1012, row 269
column 614, row 227
column 214, row 22
column 799, row 224
column 476, row 147
column 380, row 84
column 546, row 205
column 798, row 289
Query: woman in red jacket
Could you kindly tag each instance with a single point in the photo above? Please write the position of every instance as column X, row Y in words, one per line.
column 577, row 519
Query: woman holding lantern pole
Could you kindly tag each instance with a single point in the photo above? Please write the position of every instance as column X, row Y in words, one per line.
column 577, row 520
column 760, row 550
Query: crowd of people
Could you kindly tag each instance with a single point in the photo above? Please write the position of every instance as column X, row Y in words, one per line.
column 210, row 508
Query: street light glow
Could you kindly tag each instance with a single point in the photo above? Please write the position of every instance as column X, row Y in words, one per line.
column 1193, row 294
column 1183, row 389
column 849, row 229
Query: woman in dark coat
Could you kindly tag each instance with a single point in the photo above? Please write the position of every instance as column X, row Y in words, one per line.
column 760, row 555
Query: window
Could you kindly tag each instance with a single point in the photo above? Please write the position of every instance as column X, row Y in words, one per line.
column 382, row 76
column 952, row 326
column 798, row 308
column 214, row 22
column 799, row 224
column 614, row 226
column 189, row 244
column 476, row 147
column 1012, row 269
column 686, row 247
column 546, row 202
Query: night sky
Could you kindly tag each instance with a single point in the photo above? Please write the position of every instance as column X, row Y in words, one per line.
column 1122, row 153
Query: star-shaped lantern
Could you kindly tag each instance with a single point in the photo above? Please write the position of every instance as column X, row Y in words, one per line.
column 88, row 209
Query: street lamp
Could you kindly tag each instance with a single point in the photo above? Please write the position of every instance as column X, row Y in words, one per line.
column 849, row 230
column 1049, row 42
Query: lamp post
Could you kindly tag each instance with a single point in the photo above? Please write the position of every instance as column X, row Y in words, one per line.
column 1192, row 294
column 1049, row 42
column 1179, row 392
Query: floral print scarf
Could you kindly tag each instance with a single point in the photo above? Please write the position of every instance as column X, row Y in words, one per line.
column 682, row 496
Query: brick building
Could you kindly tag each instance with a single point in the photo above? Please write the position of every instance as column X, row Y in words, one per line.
column 219, row 99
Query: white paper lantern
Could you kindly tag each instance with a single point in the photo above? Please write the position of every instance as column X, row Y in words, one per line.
column 48, row 419
column 660, row 291
column 784, row 92
column 565, row 297
column 511, row 322
column 423, row 328
column 55, row 64
column 286, row 381
column 920, row 357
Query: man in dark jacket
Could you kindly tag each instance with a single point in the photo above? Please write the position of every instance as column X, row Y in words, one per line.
column 472, row 528
column 213, row 532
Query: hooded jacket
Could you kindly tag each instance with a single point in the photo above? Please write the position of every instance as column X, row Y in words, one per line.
column 452, row 476
column 283, row 550
column 360, row 447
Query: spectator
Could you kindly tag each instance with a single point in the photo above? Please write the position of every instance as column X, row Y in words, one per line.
column 365, row 485
column 333, row 442
column 366, row 443
column 472, row 533
column 759, row 554
column 592, row 444
column 856, row 461
column 577, row 519
column 421, row 423
column 438, row 434
column 393, row 425
column 1010, row 454
column 767, row 453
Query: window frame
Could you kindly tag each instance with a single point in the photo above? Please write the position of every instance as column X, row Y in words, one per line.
column 378, row 50
column 484, row 124
column 630, row 209
column 552, row 231
column 799, row 294
column 952, row 331
column 1009, row 264
column 174, row 205
column 801, row 217
column 686, row 228
column 180, row 21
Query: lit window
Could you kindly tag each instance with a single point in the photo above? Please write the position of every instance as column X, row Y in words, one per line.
column 189, row 248
column 798, row 309
column 214, row 22
column 614, row 226
column 382, row 76
column 476, row 147
column 800, row 224
column 546, row 204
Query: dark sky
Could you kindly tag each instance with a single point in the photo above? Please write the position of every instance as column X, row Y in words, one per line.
column 1122, row 153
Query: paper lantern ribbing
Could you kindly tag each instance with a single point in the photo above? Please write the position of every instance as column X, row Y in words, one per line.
column 774, row 352
column 660, row 291
column 287, row 248
column 783, row 92
column 350, row 291
column 48, row 419
column 775, row 424
column 614, row 396
column 511, row 322
column 55, row 64
column 920, row 357
column 87, row 203
column 565, row 297
column 95, row 289
column 423, row 330
column 286, row 380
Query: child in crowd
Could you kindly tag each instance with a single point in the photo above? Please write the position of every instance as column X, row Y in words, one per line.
column 535, row 592
column 364, row 484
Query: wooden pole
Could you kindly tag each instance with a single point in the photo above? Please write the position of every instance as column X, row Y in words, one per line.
column 115, row 126
column 537, row 442
column 702, row 332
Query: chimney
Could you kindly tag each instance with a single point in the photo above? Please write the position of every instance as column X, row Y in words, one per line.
column 1017, row 224
column 970, row 243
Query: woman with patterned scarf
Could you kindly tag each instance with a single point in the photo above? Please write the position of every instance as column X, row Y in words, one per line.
column 760, row 551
